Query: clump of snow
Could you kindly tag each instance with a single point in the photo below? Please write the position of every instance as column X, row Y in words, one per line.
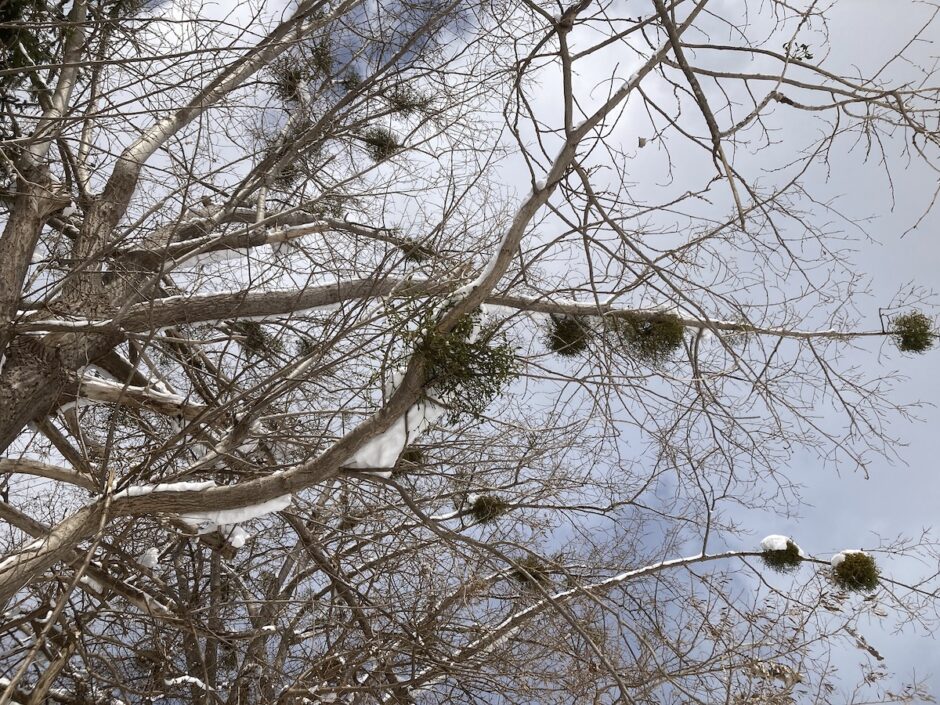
column 383, row 450
column 92, row 583
column 774, row 542
column 237, row 537
column 150, row 558
column 837, row 559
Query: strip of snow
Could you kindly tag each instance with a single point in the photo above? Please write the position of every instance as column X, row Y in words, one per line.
column 70, row 405
column 92, row 384
column 515, row 621
column 138, row 490
column 445, row 517
column 236, row 516
column 32, row 547
column 192, row 680
column 490, row 267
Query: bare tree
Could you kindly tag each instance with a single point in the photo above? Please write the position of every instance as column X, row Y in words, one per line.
column 302, row 401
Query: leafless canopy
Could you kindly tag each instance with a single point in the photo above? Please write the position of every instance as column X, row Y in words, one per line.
column 428, row 351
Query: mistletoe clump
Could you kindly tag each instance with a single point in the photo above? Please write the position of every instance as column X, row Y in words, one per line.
column 289, row 76
column 855, row 570
column 255, row 339
column 351, row 80
column 531, row 572
column 380, row 143
column 913, row 332
column 567, row 336
column 651, row 338
column 414, row 251
column 468, row 366
column 410, row 459
column 488, row 508
column 412, row 456
column 305, row 347
column 407, row 101
column 782, row 560
column 321, row 56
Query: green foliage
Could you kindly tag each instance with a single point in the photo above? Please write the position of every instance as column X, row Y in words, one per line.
column 857, row 572
column 464, row 371
column 650, row 338
column 568, row 336
column 321, row 56
column 255, row 339
column 913, row 332
column 380, row 143
column 288, row 155
column 783, row 561
column 26, row 40
column 22, row 44
column 488, row 508
column 327, row 206
column 291, row 72
column 531, row 572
